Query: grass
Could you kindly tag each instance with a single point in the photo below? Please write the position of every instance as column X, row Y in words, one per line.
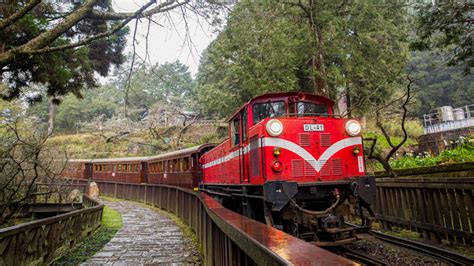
column 111, row 223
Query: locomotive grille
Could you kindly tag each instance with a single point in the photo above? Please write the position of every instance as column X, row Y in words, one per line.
column 326, row 170
column 336, row 166
column 305, row 140
column 325, row 139
column 308, row 168
column 297, row 167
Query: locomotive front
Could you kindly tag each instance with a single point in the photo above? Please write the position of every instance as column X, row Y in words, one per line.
column 299, row 167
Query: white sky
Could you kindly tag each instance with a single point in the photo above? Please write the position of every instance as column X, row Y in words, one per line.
column 167, row 43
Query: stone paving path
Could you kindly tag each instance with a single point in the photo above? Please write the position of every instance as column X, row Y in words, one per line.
column 147, row 237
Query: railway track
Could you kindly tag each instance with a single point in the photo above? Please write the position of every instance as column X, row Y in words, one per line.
column 429, row 250
column 356, row 256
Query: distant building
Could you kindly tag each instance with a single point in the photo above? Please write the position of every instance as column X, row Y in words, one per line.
column 445, row 126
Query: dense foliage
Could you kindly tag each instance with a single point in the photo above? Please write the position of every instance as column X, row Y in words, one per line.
column 447, row 26
column 269, row 47
column 149, row 89
column 460, row 154
column 61, row 72
column 439, row 84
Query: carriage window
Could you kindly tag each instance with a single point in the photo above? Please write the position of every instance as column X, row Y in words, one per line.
column 186, row 164
column 268, row 109
column 311, row 108
column 234, row 131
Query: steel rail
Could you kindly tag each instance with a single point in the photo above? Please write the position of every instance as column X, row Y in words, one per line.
column 439, row 253
column 359, row 257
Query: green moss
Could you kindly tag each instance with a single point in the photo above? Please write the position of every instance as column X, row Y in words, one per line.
column 111, row 223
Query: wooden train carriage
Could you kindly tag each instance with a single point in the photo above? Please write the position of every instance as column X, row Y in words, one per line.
column 127, row 170
column 177, row 168
column 77, row 169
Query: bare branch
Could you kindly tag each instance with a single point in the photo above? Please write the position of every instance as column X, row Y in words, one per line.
column 49, row 36
column 95, row 37
column 163, row 7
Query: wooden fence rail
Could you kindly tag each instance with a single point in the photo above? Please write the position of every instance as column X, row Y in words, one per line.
column 226, row 237
column 438, row 208
column 39, row 242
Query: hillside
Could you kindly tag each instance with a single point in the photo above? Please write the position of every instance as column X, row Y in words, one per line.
column 137, row 143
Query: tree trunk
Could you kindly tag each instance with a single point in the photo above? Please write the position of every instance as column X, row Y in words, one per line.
column 51, row 108
column 342, row 104
column 319, row 74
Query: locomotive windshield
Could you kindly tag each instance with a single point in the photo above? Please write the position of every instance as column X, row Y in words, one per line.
column 268, row 109
column 306, row 108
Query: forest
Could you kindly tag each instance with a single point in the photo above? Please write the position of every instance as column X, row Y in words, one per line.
column 362, row 53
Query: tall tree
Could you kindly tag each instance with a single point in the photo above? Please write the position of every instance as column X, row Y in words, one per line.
column 62, row 45
column 447, row 26
column 439, row 84
column 360, row 48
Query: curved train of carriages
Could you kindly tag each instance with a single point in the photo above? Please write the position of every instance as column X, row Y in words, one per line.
column 288, row 161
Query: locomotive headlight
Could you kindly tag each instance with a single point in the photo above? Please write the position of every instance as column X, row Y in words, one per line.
column 274, row 127
column 353, row 128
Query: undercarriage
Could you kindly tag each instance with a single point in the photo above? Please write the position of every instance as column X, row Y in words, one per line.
column 316, row 212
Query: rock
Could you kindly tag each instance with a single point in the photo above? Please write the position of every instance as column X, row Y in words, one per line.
column 74, row 196
column 93, row 190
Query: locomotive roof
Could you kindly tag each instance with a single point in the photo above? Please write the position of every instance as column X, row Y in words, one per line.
column 181, row 152
column 276, row 95
column 294, row 93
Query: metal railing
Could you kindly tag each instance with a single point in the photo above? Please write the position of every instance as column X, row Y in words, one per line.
column 448, row 119
column 39, row 242
column 438, row 208
column 226, row 237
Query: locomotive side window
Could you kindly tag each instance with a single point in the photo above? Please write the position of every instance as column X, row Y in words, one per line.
column 234, row 131
column 306, row 108
column 268, row 109
column 244, row 125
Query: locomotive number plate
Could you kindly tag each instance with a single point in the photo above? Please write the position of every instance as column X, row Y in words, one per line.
column 313, row 127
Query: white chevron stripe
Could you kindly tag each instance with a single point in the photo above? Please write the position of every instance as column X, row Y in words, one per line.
column 317, row 164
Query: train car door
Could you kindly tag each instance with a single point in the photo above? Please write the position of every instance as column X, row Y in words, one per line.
column 233, row 168
column 244, row 148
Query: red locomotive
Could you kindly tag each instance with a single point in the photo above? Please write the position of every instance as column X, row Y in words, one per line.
column 289, row 161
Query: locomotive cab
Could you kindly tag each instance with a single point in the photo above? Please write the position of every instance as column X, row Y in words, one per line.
column 291, row 162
